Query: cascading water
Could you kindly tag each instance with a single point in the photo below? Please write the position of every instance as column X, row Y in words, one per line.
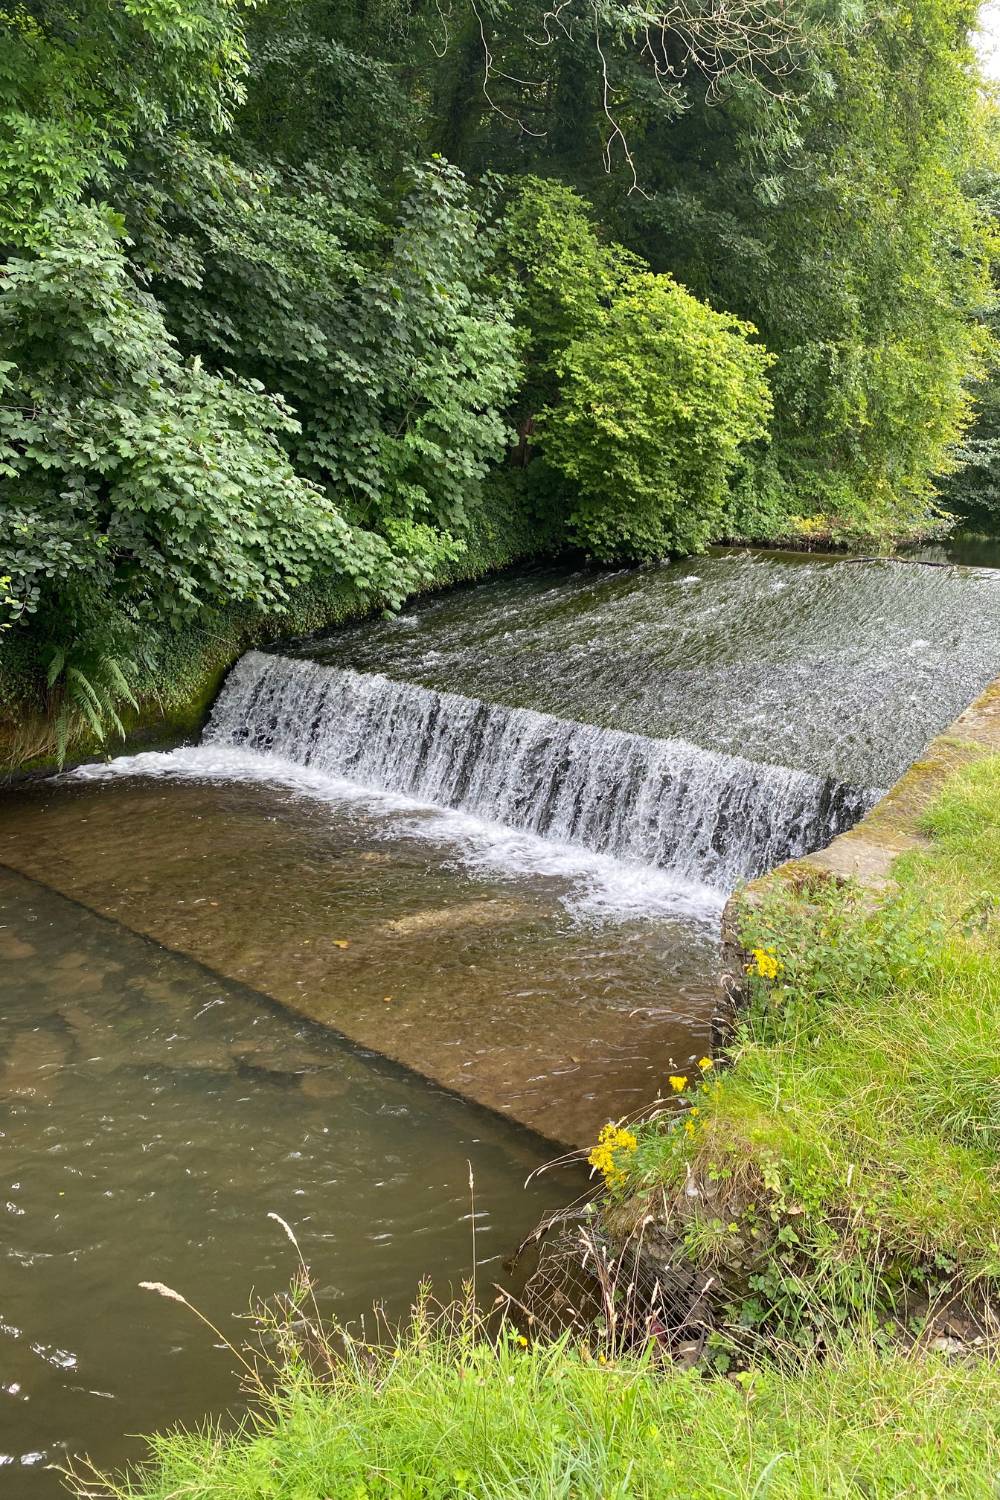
column 700, row 815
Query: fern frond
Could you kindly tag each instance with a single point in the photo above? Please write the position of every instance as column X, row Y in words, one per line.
column 113, row 668
column 82, row 691
column 56, row 663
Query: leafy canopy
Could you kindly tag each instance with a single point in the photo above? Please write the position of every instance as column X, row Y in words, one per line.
column 80, row 80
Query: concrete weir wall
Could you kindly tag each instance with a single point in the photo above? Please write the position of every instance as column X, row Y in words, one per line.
column 866, row 852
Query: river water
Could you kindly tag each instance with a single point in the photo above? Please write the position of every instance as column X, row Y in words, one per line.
column 435, row 890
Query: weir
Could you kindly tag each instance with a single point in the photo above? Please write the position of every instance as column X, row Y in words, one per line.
column 501, row 865
column 701, row 815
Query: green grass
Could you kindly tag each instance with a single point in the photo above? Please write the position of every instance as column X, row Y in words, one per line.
column 846, row 1165
column 450, row 1418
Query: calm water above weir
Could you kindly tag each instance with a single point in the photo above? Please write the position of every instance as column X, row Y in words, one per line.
column 490, row 841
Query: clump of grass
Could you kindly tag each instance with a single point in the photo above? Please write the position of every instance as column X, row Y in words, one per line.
column 445, row 1413
column 845, row 1167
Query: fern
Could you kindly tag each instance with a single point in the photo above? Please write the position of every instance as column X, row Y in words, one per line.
column 89, row 684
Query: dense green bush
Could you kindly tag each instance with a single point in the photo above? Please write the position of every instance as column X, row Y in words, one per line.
column 656, row 400
column 82, row 80
column 372, row 315
column 638, row 396
column 127, row 468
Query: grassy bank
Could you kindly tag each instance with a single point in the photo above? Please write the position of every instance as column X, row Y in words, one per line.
column 449, row 1418
column 189, row 663
column 844, row 1169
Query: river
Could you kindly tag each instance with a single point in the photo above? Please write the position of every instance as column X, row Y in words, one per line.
column 436, row 890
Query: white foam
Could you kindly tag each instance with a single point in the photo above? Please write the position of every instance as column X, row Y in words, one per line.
column 700, row 816
column 598, row 887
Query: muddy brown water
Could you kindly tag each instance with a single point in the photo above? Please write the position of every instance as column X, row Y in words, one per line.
column 166, row 949
column 153, row 1115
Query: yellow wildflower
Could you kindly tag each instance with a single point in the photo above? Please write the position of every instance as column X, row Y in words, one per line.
column 522, row 1341
column 678, row 1084
column 689, row 1127
column 705, row 1063
column 612, row 1139
column 764, row 963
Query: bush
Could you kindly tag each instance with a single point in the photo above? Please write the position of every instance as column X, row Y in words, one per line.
column 656, row 400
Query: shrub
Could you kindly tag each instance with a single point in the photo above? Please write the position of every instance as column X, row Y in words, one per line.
column 656, row 400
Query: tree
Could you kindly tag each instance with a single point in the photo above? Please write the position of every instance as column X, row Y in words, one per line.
column 640, row 397
column 656, row 401
column 373, row 316
column 80, row 80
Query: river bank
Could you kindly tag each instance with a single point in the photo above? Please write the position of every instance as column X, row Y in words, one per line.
column 840, row 1167
column 445, row 1418
column 827, row 1186
column 192, row 661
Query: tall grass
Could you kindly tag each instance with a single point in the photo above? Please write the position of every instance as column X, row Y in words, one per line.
column 448, row 1414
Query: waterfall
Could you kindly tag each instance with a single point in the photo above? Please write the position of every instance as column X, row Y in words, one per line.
column 701, row 815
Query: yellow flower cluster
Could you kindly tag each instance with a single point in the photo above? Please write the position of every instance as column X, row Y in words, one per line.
column 612, row 1139
column 765, row 962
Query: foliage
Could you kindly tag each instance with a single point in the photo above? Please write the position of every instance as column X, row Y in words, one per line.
column 443, row 1412
column 973, row 491
column 639, row 396
column 81, row 79
column 133, row 480
column 655, row 402
column 823, row 195
column 847, row 236
column 565, row 276
column 373, row 319
column 325, row 83
column 124, row 464
column 848, row 1156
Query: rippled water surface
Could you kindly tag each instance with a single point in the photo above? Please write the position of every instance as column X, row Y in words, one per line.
column 832, row 665
column 153, row 1115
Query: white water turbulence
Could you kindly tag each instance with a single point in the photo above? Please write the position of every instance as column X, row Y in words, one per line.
column 700, row 816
